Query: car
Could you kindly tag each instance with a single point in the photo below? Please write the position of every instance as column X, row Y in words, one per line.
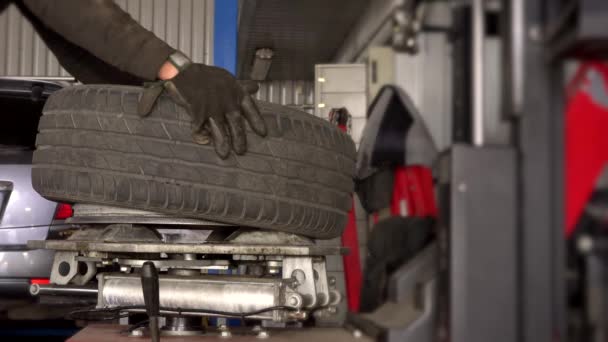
column 24, row 214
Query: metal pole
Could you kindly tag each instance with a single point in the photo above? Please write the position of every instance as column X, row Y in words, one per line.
column 65, row 290
column 478, row 71
column 541, row 186
column 513, row 70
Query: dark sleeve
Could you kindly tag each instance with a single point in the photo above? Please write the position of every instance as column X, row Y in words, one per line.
column 106, row 31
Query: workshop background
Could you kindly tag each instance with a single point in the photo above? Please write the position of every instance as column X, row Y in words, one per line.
column 325, row 55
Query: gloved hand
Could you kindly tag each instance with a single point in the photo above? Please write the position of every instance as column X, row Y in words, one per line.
column 216, row 102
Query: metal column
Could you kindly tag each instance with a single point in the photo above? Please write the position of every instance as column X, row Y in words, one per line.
column 541, row 168
column 225, row 34
column 478, row 220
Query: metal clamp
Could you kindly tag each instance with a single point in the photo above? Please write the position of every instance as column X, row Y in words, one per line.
column 67, row 269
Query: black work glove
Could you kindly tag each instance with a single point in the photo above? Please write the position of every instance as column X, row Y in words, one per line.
column 216, row 102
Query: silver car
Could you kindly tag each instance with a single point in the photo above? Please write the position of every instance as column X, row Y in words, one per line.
column 24, row 215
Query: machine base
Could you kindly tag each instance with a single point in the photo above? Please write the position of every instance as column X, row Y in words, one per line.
column 116, row 333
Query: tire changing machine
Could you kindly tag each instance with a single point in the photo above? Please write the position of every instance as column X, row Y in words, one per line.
column 193, row 269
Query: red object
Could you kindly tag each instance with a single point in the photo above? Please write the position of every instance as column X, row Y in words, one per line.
column 586, row 137
column 352, row 263
column 40, row 281
column 413, row 193
column 64, row 211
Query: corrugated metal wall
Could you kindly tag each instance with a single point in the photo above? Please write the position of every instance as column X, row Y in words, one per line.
column 298, row 94
column 185, row 24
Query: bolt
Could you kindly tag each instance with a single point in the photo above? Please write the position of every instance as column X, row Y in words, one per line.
column 124, row 269
column 410, row 42
column 273, row 267
column 585, row 244
column 263, row 334
column 332, row 310
column 357, row 333
column 293, row 301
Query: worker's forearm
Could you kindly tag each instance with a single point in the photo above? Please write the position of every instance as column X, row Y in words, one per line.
column 106, row 31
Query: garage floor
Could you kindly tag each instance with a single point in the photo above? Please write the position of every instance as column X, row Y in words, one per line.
column 20, row 319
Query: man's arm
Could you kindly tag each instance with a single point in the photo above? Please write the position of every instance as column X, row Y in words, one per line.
column 217, row 103
column 109, row 33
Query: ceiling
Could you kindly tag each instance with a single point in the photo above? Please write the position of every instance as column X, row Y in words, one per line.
column 302, row 33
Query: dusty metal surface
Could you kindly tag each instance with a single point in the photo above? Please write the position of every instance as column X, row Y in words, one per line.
column 144, row 220
column 263, row 237
column 117, row 233
column 169, row 263
column 209, row 248
column 97, row 214
column 109, row 332
column 162, row 264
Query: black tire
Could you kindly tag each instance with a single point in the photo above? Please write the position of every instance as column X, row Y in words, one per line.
column 92, row 147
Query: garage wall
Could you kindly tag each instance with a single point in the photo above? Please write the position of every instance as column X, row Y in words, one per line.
column 184, row 24
column 342, row 85
column 427, row 78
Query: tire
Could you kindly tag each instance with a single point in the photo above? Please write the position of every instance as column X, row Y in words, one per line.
column 92, row 147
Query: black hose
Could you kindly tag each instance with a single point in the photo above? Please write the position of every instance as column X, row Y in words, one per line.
column 116, row 312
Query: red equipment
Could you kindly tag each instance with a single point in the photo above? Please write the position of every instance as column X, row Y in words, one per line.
column 586, row 137
column 352, row 261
